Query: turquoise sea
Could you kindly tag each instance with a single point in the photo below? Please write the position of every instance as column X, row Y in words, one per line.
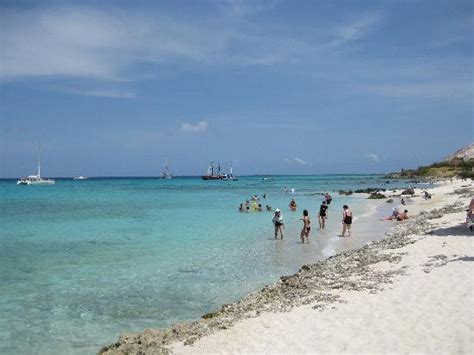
column 84, row 261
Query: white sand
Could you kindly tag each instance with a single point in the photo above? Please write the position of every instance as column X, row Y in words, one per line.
column 429, row 309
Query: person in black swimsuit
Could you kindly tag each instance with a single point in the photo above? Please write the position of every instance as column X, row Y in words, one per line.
column 306, row 227
column 328, row 198
column 346, row 220
column 323, row 215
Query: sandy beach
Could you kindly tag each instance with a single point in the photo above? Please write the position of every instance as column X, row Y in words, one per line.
column 411, row 292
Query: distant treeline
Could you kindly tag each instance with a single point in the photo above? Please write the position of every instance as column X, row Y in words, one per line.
column 454, row 167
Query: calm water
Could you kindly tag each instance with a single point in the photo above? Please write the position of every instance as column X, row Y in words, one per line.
column 83, row 261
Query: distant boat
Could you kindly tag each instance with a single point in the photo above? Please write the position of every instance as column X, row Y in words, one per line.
column 165, row 174
column 214, row 173
column 36, row 179
column 79, row 178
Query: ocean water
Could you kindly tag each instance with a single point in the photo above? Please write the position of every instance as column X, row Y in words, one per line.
column 84, row 261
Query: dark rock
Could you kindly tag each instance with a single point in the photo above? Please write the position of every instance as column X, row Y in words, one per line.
column 409, row 191
column 369, row 190
column 376, row 196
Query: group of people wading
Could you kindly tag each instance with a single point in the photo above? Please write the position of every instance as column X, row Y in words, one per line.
column 322, row 217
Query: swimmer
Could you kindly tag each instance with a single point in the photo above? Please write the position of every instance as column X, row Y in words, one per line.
column 293, row 205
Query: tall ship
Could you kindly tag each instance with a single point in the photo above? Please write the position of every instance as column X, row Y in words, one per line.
column 36, row 179
column 166, row 174
column 214, row 172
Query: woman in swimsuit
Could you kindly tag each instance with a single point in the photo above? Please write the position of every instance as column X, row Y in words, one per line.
column 323, row 215
column 278, row 222
column 346, row 220
column 306, row 227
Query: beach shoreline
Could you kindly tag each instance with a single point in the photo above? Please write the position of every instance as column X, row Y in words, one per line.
column 332, row 283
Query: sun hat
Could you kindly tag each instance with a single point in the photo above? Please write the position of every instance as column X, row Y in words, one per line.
column 277, row 210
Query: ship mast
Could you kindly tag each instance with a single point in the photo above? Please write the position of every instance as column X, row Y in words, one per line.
column 39, row 160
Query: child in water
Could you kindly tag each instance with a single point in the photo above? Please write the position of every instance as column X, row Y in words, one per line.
column 306, row 227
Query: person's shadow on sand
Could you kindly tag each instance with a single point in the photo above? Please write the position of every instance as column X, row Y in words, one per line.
column 459, row 230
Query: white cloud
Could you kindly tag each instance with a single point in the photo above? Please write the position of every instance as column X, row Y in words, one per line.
column 356, row 29
column 85, row 42
column 295, row 160
column 198, row 127
column 374, row 157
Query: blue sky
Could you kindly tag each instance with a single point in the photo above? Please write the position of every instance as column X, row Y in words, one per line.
column 113, row 88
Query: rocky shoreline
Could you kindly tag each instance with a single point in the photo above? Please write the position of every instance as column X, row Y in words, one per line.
column 318, row 284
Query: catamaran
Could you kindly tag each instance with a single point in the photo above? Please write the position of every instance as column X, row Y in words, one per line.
column 165, row 174
column 35, row 179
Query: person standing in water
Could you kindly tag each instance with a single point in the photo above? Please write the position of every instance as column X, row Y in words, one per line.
column 346, row 220
column 328, row 198
column 306, row 227
column 323, row 215
column 278, row 223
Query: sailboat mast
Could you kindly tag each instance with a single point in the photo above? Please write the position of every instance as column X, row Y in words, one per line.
column 39, row 160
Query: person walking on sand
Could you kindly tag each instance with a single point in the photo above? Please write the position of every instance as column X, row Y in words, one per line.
column 306, row 227
column 278, row 223
column 346, row 220
column 323, row 215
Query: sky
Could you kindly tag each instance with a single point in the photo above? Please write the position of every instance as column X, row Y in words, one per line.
column 114, row 88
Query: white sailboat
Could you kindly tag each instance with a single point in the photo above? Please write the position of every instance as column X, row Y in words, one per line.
column 165, row 174
column 36, row 179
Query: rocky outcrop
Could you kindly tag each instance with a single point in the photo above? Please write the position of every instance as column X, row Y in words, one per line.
column 376, row 196
column 409, row 191
column 463, row 154
column 370, row 190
